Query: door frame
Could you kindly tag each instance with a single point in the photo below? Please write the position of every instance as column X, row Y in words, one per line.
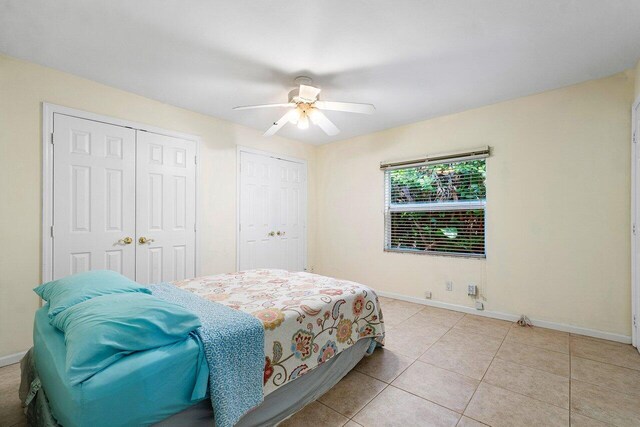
column 241, row 149
column 48, row 111
column 635, row 225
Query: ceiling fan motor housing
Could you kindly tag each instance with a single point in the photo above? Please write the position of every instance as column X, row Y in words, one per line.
column 294, row 96
column 303, row 80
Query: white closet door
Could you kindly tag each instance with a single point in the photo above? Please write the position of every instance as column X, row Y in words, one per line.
column 289, row 185
column 257, row 234
column 635, row 244
column 166, row 206
column 272, row 213
column 93, row 197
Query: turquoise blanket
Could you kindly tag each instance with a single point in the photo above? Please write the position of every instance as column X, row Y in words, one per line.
column 234, row 348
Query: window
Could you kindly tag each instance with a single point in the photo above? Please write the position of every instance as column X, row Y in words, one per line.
column 436, row 206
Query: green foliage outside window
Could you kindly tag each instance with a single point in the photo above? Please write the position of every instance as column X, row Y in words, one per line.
column 458, row 230
column 444, row 182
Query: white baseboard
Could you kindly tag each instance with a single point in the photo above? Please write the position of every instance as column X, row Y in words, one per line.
column 511, row 317
column 11, row 358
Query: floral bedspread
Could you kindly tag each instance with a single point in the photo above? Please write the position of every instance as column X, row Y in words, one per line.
column 307, row 318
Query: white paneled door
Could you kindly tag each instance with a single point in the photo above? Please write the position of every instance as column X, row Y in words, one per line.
column 635, row 226
column 166, row 197
column 272, row 212
column 289, row 184
column 123, row 200
column 94, row 197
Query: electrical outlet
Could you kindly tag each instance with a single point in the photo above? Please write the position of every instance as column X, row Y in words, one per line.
column 449, row 285
column 427, row 294
column 472, row 290
column 479, row 305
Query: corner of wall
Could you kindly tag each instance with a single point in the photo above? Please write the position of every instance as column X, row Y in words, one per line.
column 636, row 75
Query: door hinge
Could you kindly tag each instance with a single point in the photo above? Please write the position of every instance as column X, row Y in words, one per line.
column 52, row 138
column 634, row 321
column 633, row 229
column 52, row 231
column 239, row 227
column 195, row 159
column 635, row 137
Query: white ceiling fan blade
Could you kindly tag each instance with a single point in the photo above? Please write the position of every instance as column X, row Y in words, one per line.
column 251, row 107
column 323, row 122
column 348, row 107
column 308, row 92
column 277, row 125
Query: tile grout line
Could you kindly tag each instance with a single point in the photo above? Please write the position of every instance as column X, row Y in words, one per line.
column 554, row 332
column 570, row 383
column 421, row 398
column 607, row 388
column 367, row 404
column 387, row 385
column 537, row 347
column 524, row 395
column 418, row 359
column 376, row 395
column 328, row 407
column 449, row 330
column 485, row 372
column 533, row 367
column 571, row 411
column 444, row 369
column 430, row 345
column 606, row 363
column 434, row 343
column 530, row 397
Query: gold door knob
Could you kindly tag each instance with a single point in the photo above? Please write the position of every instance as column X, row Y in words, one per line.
column 144, row 240
column 271, row 234
column 125, row 241
column 280, row 233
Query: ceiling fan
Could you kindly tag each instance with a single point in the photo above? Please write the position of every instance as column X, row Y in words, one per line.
column 305, row 107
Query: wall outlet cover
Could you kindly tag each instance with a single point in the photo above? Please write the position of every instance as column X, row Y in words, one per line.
column 427, row 295
column 449, row 285
column 479, row 305
column 472, row 290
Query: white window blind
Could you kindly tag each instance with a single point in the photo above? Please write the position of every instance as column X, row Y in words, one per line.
column 436, row 206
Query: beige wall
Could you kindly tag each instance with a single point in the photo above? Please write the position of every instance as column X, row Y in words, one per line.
column 23, row 87
column 557, row 215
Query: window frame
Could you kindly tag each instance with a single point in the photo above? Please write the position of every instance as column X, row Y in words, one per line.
column 430, row 207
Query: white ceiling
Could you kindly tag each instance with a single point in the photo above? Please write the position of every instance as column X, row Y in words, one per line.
column 413, row 59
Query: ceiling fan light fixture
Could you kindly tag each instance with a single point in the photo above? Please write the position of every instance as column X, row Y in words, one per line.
column 313, row 115
column 303, row 122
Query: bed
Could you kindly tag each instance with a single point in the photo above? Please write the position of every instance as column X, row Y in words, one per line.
column 316, row 329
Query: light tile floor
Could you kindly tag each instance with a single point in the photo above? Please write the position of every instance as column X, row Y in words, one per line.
column 444, row 368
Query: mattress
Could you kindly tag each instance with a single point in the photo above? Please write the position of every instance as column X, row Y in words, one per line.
column 308, row 318
column 140, row 389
